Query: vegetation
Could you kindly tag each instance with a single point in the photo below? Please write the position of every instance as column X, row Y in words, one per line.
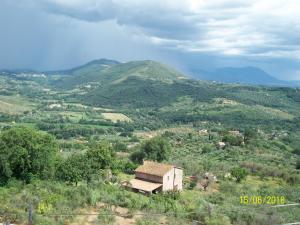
column 70, row 138
column 156, row 149
column 239, row 174
column 25, row 154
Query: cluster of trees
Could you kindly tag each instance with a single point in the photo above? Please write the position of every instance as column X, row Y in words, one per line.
column 239, row 139
column 63, row 128
column 63, row 131
column 26, row 154
column 80, row 167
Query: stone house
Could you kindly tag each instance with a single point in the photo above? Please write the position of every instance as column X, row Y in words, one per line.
column 153, row 177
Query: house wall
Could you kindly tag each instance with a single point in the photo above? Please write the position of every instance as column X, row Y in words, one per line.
column 173, row 180
column 168, row 180
column 148, row 177
column 178, row 178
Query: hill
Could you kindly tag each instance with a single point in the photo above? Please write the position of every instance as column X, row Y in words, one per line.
column 88, row 67
column 107, row 72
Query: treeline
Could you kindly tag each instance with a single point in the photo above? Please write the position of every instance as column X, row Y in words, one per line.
column 61, row 129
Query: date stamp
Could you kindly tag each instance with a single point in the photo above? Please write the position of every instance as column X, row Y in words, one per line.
column 262, row 200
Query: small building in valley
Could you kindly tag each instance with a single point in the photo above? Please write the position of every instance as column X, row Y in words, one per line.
column 153, row 177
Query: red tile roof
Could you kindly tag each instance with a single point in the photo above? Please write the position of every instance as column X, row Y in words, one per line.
column 154, row 168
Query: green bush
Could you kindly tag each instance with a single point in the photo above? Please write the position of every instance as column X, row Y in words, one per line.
column 26, row 153
column 239, row 174
column 234, row 140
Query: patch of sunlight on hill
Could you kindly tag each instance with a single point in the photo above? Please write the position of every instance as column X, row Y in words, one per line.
column 175, row 130
column 115, row 117
column 14, row 105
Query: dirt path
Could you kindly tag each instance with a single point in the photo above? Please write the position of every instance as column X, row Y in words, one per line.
column 88, row 219
column 121, row 217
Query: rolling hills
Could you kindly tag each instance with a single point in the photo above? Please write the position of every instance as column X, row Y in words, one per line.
column 149, row 85
column 126, row 104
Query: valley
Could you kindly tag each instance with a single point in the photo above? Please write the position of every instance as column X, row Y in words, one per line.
column 118, row 108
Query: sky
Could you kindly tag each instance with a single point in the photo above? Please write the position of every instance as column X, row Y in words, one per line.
column 187, row 34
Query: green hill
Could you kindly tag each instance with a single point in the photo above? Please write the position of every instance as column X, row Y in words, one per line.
column 140, row 92
column 104, row 73
column 140, row 84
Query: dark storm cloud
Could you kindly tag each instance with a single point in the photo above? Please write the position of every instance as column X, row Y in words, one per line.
column 32, row 38
column 62, row 33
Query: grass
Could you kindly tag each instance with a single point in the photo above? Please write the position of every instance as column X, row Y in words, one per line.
column 15, row 105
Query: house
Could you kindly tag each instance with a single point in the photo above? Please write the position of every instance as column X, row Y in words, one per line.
column 153, row 177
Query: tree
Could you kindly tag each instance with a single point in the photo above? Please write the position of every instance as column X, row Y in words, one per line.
column 234, row 140
column 137, row 156
column 249, row 134
column 84, row 166
column 239, row 174
column 73, row 169
column 120, row 146
column 101, row 156
column 157, row 149
column 26, row 153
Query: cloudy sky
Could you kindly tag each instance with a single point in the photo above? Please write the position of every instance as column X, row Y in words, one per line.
column 188, row 34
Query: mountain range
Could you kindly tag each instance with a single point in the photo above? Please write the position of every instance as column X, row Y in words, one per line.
column 145, row 84
column 112, row 70
column 242, row 75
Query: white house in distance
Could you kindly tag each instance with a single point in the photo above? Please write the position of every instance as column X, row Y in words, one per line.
column 153, row 177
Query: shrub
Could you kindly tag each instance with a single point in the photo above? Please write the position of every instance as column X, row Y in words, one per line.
column 239, row 174
column 234, row 140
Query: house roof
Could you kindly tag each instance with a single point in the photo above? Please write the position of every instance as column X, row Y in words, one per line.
column 143, row 185
column 154, row 168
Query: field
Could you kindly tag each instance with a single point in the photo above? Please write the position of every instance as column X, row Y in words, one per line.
column 14, row 105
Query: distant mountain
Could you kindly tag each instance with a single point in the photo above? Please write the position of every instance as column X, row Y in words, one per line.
column 243, row 75
column 90, row 66
column 133, row 84
column 107, row 72
column 17, row 71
